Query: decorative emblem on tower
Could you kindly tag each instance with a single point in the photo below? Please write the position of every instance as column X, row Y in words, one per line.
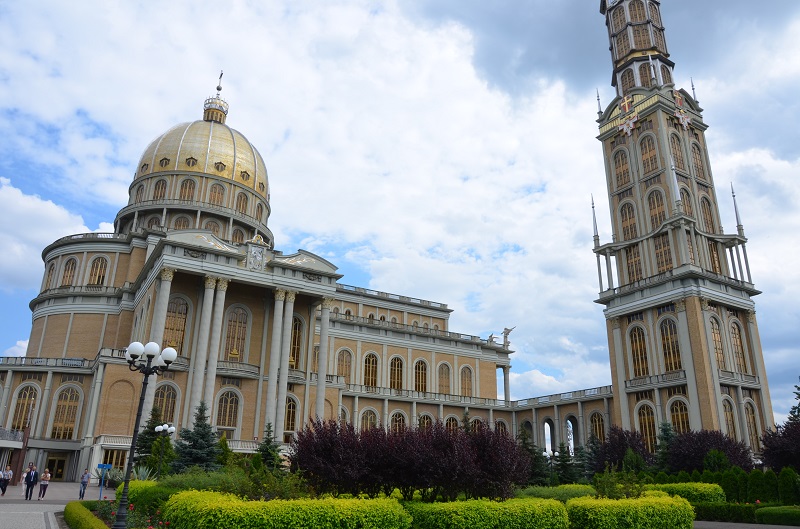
column 678, row 98
column 629, row 124
column 683, row 119
column 626, row 104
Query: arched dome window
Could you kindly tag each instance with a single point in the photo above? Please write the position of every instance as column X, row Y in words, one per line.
column 633, row 260
column 716, row 337
column 25, row 408
column 708, row 216
column 69, row 272
column 663, row 253
column 451, row 424
column 160, row 190
column 241, row 203
column 187, row 190
column 238, row 236
column 655, row 15
column 97, row 273
column 66, row 414
column 217, row 195
column 666, row 75
column 296, row 346
column 165, row 399
column 421, row 376
column 369, row 420
column 398, row 422
column 259, row 212
column 228, row 410
column 139, row 194
column 371, row 370
column 236, row 335
column 641, row 41
column 598, row 427
column 213, row 226
column 738, row 348
column 647, row 426
column 730, row 420
column 182, row 223
column 618, row 18
column 175, row 326
column 344, row 365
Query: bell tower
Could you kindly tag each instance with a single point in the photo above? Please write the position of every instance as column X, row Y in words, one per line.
column 677, row 290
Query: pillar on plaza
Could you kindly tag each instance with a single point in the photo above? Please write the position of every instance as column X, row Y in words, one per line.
column 506, row 383
column 283, row 375
column 322, row 360
column 201, row 351
column 274, row 360
column 214, row 341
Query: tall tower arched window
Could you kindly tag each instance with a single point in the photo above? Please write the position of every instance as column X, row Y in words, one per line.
column 25, row 407
column 633, row 262
column 228, row 410
column 344, row 365
column 466, row 381
column 648, row 150
column 697, row 162
column 644, row 68
column 628, row 217
column 641, row 41
column 241, row 203
column 738, row 348
column 618, row 18
column 639, row 353
column 666, row 75
column 690, row 247
column 187, row 189
column 175, row 326
column 444, row 379
column 97, row 273
column 713, row 254
column 396, row 373
column 669, row 343
column 68, row 276
column 371, row 370
column 708, row 216
column 236, row 335
column 622, row 168
column 217, row 195
column 636, row 10
column 677, row 152
column 599, row 427
column 398, row 422
column 657, row 213
column 647, row 426
column 165, row 399
column 66, row 414
column 663, row 253
column 655, row 14
column 752, row 426
column 730, row 421
column 421, row 376
column 680, row 416
column 297, row 342
column 626, row 78
column 51, row 270
column 716, row 337
column 686, row 203
column 160, row 190
column 369, row 420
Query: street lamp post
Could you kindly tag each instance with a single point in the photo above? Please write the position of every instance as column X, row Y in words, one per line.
column 154, row 362
column 163, row 430
column 550, row 455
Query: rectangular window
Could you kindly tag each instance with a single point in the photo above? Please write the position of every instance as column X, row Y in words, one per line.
column 663, row 253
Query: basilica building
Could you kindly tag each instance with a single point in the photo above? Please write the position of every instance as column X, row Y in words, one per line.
column 272, row 338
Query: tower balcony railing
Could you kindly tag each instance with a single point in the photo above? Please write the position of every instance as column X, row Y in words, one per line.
column 394, row 297
column 24, row 361
column 7, row 434
column 731, row 376
column 654, row 380
column 192, row 205
column 237, row 369
column 569, row 396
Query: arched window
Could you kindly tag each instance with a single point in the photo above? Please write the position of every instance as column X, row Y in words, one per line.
column 51, row 270
column 228, row 410
column 669, row 343
column 290, row 417
column 730, row 421
column 641, row 41
column 618, row 18
column 25, row 407
column 187, row 189
column 344, row 364
column 644, row 68
column 621, row 168
column 738, row 348
column 369, row 420
column 648, row 150
column 421, row 376
column 647, row 426
column 160, row 190
column 175, row 326
column 238, row 236
column 371, row 370
column 217, row 195
column 154, row 223
column 182, row 223
column 677, row 152
column 655, row 15
column 259, row 211
column 139, row 194
column 165, row 400
column 639, row 353
column 690, row 247
column 466, row 381
column 628, row 222
column 686, row 203
column 451, row 424
column 396, row 373
column 666, row 75
column 636, row 10
column 213, row 227
column 241, row 203
column 236, row 335
column 398, row 422
column 752, row 427
column 713, row 254
column 716, row 337
column 297, row 343
column 657, row 212
column 66, row 414
column 708, row 216
column 425, row 422
column 444, row 379
column 598, row 427
column 633, row 263
column 69, row 272
column 627, row 79
column 680, row 416
column 663, row 253
column 697, row 162
column 97, row 273
column 500, row 427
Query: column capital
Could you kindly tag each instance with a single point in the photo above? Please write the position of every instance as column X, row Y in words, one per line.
column 751, row 316
column 280, row 294
column 210, row 282
column 704, row 304
column 167, row 274
column 290, row 296
column 615, row 323
column 222, row 284
column 680, row 305
column 327, row 303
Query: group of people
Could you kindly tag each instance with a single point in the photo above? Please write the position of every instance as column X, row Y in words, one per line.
column 31, row 476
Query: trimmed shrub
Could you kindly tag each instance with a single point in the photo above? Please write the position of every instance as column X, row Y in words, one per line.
column 725, row 512
column 743, row 484
column 696, row 476
column 561, row 493
column 756, row 488
column 778, row 516
column 78, row 516
column 707, row 477
column 683, row 477
column 661, row 477
column 788, row 487
column 693, row 492
column 655, row 494
column 532, row 513
column 642, row 513
column 193, row 509
column 770, row 486
column 730, row 485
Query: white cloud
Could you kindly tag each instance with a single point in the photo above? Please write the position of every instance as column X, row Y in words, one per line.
column 17, row 349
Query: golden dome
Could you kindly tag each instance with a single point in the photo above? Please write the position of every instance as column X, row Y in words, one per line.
column 207, row 146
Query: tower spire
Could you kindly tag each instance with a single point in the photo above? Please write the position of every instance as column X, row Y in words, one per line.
column 694, row 94
column 215, row 108
column 594, row 224
column 599, row 108
column 739, row 226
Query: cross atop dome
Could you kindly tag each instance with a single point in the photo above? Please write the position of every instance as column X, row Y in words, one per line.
column 215, row 108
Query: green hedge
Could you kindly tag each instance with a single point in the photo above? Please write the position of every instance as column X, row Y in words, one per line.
column 78, row 516
column 148, row 496
column 779, row 515
column 530, row 513
column 213, row 510
column 694, row 492
column 561, row 493
column 640, row 513
column 725, row 512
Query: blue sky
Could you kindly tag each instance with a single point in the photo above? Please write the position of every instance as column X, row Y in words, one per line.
column 439, row 149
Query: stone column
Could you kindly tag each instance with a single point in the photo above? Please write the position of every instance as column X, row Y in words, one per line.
column 743, row 418
column 6, row 393
column 91, row 421
column 274, row 360
column 201, row 350
column 506, row 383
column 322, row 360
column 44, row 404
column 157, row 332
column 283, row 375
column 213, row 344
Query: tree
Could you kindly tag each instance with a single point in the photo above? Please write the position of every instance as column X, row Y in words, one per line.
column 148, row 435
column 794, row 413
column 782, row 445
column 665, row 436
column 687, row 451
column 270, row 450
column 539, row 472
column 226, row 456
column 564, row 468
column 162, row 456
column 198, row 446
column 616, row 445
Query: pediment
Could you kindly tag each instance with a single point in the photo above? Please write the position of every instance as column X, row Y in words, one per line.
column 200, row 239
column 305, row 260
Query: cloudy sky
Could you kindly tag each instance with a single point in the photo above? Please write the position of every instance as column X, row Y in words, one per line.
column 439, row 149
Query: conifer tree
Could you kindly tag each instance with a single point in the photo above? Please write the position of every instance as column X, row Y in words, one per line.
column 198, row 446
column 148, row 435
column 270, row 450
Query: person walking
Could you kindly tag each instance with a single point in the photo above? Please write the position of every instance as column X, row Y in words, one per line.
column 5, row 478
column 84, row 482
column 31, row 479
column 44, row 483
